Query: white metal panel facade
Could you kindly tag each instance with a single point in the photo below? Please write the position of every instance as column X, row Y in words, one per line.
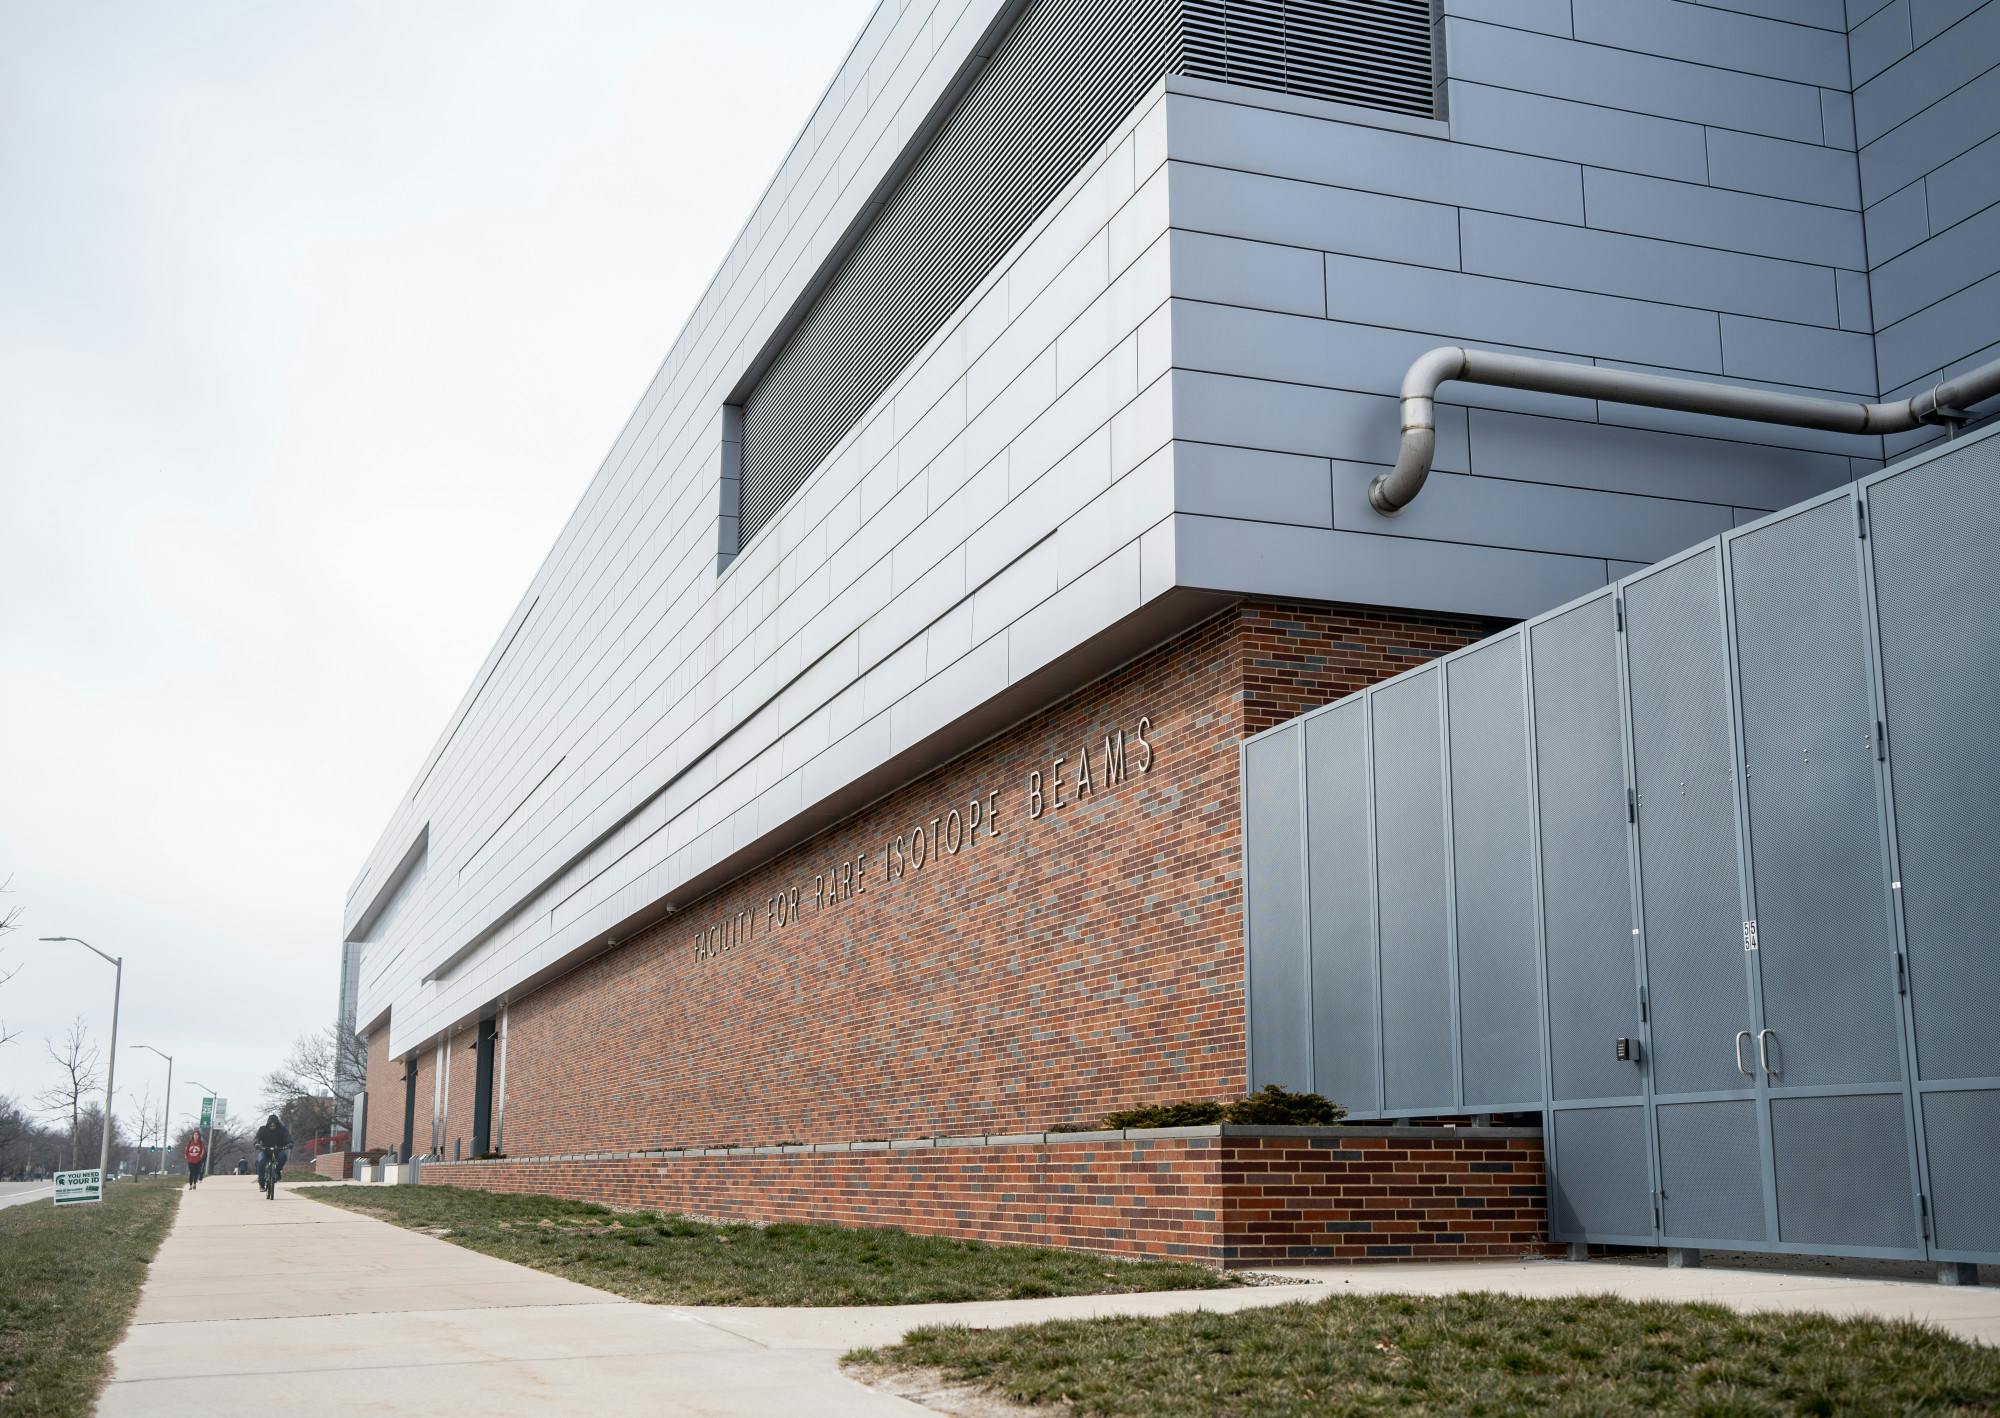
column 1175, row 387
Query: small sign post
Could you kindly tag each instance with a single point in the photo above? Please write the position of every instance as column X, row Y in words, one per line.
column 77, row 1188
column 207, row 1113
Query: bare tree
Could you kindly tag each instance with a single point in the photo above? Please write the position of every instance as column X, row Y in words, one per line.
column 14, row 1126
column 150, row 1126
column 78, row 1059
column 313, row 1083
column 10, row 920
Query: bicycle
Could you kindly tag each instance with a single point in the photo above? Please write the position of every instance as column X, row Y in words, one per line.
column 269, row 1168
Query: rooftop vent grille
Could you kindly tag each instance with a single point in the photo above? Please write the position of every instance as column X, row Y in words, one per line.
column 1375, row 53
column 1066, row 74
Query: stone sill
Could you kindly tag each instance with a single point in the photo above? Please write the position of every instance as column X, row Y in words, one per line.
column 1330, row 1135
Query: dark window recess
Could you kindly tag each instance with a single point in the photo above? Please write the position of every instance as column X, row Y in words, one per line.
column 482, row 1086
column 1064, row 77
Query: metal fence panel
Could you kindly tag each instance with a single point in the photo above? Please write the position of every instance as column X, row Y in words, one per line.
column 1963, row 1130
column 1826, row 943
column 1345, row 1054
column 1417, row 1056
column 1936, row 538
column 1601, row 1186
column 1274, row 865
column 1683, row 757
column 1499, row 990
column 1754, row 790
column 1711, row 1172
column 1843, row 1171
column 1586, row 881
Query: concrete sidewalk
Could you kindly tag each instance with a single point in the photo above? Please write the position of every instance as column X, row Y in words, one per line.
column 404, row 1323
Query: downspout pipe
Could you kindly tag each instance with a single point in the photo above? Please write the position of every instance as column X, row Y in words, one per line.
column 1945, row 403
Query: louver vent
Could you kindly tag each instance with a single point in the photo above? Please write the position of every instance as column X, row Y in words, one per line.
column 1377, row 53
column 1066, row 74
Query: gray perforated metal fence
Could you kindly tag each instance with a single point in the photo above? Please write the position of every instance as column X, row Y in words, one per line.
column 1704, row 867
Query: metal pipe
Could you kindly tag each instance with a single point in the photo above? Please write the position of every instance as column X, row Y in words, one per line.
column 1944, row 403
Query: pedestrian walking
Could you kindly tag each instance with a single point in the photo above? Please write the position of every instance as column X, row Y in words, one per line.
column 196, row 1154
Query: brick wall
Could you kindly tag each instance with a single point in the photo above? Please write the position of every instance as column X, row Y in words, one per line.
column 424, row 1063
column 340, row 1165
column 1221, row 1196
column 461, row 1091
column 1295, row 656
column 1067, row 963
column 382, row 1125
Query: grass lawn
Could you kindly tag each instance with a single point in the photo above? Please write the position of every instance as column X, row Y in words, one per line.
column 68, row 1281
column 668, row 1259
column 1469, row 1353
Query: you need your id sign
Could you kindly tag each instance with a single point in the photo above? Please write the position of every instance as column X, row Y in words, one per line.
column 76, row 1188
column 1064, row 782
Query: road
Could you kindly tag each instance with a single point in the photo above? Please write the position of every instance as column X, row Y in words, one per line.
column 14, row 1193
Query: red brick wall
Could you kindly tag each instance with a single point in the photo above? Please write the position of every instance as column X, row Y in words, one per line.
column 462, row 1082
column 383, row 1124
column 1086, row 960
column 1296, row 656
column 424, row 1061
column 1346, row 1194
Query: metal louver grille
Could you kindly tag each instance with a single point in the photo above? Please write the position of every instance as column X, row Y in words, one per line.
column 1378, row 53
column 1065, row 76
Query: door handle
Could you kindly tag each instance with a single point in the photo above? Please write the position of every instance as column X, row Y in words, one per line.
column 1765, row 1037
column 1741, row 1035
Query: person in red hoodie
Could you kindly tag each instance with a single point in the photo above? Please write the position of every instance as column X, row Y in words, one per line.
column 196, row 1154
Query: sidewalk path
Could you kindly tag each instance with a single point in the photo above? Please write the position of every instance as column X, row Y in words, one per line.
column 404, row 1323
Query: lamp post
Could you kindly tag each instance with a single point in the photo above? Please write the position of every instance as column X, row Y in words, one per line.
column 166, row 1104
column 111, row 1065
column 208, row 1143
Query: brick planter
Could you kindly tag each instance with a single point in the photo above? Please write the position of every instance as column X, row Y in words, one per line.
column 1225, row 1196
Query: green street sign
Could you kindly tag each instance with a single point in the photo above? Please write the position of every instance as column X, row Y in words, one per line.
column 207, row 1113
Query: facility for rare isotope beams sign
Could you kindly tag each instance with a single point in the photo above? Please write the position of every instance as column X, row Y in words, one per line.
column 1440, row 557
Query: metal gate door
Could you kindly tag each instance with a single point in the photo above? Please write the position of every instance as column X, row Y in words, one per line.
column 1829, row 1033
column 1932, row 531
column 1693, row 931
column 1600, row 1166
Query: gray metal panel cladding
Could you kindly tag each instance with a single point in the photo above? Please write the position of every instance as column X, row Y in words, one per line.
column 1379, row 53
column 1710, row 1170
column 1683, row 756
column 1345, row 1061
column 1586, row 879
column 1935, row 534
column 1410, row 876
column 1493, row 852
column 1962, row 1132
column 1826, row 945
column 1843, row 1167
column 1601, row 1185
column 1274, row 861
column 1066, row 74
column 1063, row 78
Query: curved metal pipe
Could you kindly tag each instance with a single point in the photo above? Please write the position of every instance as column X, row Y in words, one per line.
column 1944, row 403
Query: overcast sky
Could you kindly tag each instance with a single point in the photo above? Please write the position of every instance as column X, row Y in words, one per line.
column 314, row 323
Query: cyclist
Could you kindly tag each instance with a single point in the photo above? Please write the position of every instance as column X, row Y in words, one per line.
column 273, row 1140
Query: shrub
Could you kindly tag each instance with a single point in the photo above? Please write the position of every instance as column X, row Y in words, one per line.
column 1273, row 1106
column 1270, row 1106
column 1188, row 1113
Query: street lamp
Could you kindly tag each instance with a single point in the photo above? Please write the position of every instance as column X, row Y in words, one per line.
column 166, row 1104
column 110, row 1068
